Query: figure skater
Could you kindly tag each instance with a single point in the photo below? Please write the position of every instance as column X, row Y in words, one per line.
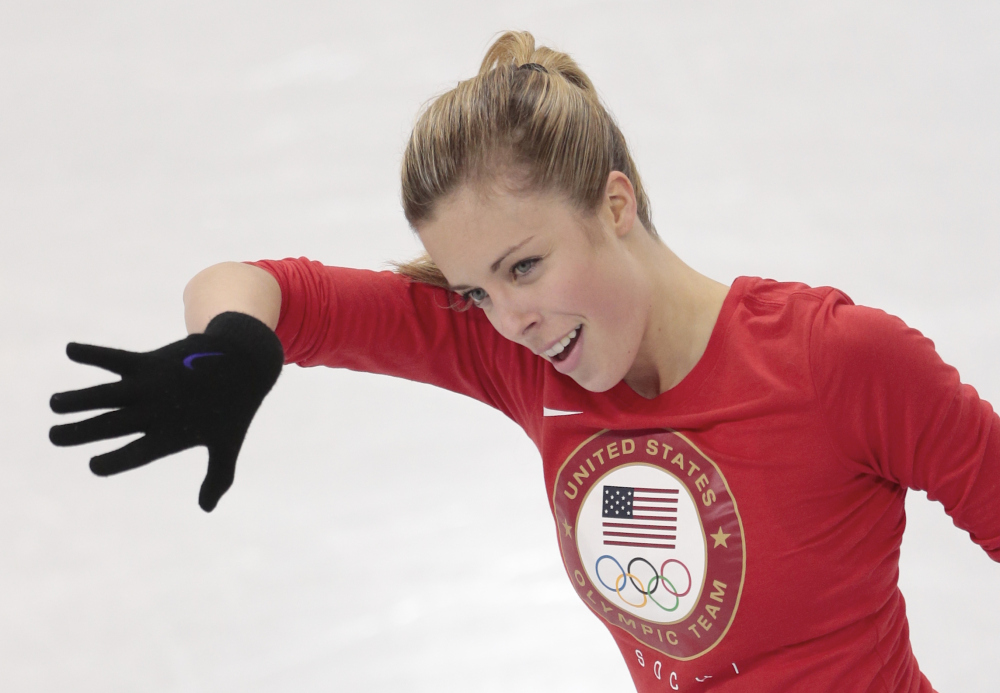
column 725, row 465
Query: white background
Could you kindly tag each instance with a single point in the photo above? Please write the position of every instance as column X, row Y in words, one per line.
column 381, row 535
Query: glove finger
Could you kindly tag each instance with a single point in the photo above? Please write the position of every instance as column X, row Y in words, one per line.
column 114, row 360
column 113, row 424
column 135, row 454
column 106, row 396
column 221, row 470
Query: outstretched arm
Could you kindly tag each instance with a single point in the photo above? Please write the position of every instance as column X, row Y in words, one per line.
column 201, row 390
column 231, row 286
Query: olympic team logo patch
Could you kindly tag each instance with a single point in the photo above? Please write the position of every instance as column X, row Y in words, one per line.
column 652, row 539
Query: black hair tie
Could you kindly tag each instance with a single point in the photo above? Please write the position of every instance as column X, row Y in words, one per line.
column 533, row 66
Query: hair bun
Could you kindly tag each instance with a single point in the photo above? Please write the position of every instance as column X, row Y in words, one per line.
column 533, row 66
column 548, row 133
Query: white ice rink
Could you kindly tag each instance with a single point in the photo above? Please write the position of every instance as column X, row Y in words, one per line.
column 383, row 536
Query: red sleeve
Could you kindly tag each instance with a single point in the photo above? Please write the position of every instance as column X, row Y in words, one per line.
column 896, row 409
column 382, row 322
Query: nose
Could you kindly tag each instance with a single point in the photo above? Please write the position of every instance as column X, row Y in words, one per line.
column 513, row 317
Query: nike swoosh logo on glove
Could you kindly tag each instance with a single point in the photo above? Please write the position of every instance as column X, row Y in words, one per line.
column 192, row 357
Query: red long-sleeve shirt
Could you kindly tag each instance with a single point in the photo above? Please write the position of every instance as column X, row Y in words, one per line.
column 741, row 531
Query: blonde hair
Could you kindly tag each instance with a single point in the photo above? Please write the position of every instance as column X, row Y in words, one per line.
column 531, row 118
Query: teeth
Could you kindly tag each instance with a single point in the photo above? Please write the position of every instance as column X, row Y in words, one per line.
column 561, row 345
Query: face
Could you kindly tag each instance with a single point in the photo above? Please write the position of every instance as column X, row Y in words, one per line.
column 563, row 284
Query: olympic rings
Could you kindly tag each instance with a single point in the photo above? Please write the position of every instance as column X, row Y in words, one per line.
column 674, row 560
column 651, row 567
column 597, row 569
column 659, row 576
column 676, row 597
column 630, row 576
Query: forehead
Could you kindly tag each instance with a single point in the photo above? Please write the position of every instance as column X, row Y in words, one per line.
column 471, row 228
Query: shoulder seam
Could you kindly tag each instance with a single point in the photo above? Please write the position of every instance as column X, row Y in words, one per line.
column 804, row 293
column 841, row 455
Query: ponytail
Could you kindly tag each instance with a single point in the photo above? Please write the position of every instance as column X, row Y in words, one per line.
column 532, row 117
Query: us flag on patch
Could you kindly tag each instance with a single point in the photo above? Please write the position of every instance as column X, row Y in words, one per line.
column 643, row 517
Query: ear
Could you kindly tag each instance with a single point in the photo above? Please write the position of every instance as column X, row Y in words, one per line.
column 619, row 203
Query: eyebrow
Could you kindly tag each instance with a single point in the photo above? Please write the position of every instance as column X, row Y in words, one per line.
column 496, row 265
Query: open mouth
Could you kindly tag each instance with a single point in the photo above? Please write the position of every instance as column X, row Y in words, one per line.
column 561, row 349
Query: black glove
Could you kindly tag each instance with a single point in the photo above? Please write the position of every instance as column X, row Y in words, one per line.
column 202, row 390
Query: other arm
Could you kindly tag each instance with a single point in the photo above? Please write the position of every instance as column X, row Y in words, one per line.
column 900, row 412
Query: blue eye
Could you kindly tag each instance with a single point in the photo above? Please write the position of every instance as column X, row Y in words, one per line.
column 476, row 296
column 521, row 268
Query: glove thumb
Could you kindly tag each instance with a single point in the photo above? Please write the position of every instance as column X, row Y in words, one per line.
column 218, row 479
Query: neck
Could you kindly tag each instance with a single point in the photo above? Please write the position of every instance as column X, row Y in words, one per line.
column 684, row 307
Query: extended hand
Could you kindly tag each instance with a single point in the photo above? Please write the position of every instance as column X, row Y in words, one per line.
column 202, row 390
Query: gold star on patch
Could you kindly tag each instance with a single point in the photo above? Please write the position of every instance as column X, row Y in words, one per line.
column 720, row 538
column 568, row 529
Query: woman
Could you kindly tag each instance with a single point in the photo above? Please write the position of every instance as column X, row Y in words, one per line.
column 726, row 466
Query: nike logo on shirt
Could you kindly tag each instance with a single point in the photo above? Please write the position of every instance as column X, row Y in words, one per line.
column 558, row 412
